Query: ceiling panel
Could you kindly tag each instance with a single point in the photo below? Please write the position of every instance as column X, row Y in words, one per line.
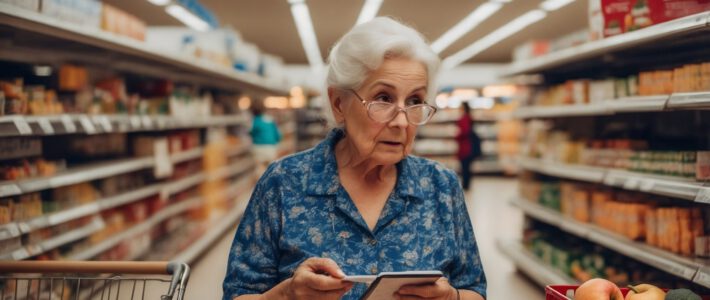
column 269, row 24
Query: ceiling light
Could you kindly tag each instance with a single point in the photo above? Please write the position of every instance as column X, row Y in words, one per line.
column 492, row 38
column 302, row 17
column 477, row 16
column 159, row 2
column 550, row 5
column 43, row 71
column 187, row 18
column 369, row 11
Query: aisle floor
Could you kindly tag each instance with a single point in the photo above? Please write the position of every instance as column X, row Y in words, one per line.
column 492, row 218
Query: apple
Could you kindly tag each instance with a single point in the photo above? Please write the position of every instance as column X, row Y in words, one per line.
column 598, row 289
column 645, row 292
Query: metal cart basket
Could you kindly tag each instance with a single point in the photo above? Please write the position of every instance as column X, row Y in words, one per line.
column 103, row 280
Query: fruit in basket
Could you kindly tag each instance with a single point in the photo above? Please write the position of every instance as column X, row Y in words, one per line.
column 598, row 289
column 682, row 294
column 645, row 292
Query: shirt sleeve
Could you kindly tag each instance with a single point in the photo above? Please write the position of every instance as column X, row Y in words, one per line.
column 253, row 258
column 467, row 272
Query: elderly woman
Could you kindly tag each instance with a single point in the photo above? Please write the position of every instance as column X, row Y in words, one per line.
column 359, row 203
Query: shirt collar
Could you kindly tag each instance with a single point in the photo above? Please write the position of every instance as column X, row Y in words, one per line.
column 323, row 179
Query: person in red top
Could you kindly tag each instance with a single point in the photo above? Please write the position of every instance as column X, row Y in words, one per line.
column 469, row 144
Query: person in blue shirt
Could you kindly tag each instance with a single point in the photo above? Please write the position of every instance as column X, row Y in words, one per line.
column 265, row 137
column 358, row 203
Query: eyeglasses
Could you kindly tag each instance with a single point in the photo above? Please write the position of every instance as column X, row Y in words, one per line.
column 383, row 112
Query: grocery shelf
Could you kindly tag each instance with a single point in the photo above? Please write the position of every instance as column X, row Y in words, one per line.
column 216, row 231
column 21, row 125
column 66, row 215
column 606, row 107
column 577, row 172
column 239, row 150
column 669, row 262
column 492, row 166
column 688, row 28
column 535, row 268
column 676, row 187
column 76, row 175
column 95, row 225
column 88, row 173
column 127, row 49
column 689, row 101
column 637, row 104
column 160, row 216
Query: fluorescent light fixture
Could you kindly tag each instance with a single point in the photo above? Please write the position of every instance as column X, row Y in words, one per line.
column 369, row 11
column 302, row 17
column 43, row 71
column 160, row 2
column 186, row 17
column 494, row 37
column 441, row 100
column 550, row 5
column 477, row 16
column 482, row 103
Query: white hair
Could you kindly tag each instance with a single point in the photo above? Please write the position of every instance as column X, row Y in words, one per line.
column 366, row 46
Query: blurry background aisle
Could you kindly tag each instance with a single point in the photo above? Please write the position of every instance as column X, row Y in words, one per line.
column 492, row 218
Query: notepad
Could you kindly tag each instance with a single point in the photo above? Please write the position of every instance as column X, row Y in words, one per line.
column 385, row 284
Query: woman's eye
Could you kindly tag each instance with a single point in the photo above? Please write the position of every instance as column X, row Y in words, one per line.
column 414, row 101
column 383, row 98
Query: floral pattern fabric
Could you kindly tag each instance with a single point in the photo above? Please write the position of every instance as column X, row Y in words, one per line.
column 300, row 210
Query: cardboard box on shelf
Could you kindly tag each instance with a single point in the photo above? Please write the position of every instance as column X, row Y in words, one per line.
column 117, row 21
column 27, row 4
column 86, row 13
column 620, row 16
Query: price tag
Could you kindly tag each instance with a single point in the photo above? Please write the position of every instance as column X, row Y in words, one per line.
column 8, row 231
column 22, row 126
column 105, row 123
column 135, row 122
column 702, row 277
column 46, row 126
column 631, row 184
column 647, row 185
column 163, row 164
column 9, row 190
column 703, row 195
column 68, row 124
column 146, row 122
column 87, row 124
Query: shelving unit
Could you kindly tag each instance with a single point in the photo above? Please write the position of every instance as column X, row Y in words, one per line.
column 648, row 183
column 687, row 268
column 96, row 49
column 134, row 53
column 657, row 47
column 536, row 269
column 97, row 124
column 687, row 30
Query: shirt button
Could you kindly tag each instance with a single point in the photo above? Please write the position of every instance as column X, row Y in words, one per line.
column 372, row 242
column 373, row 270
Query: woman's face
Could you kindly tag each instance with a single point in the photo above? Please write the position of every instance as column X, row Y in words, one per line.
column 400, row 81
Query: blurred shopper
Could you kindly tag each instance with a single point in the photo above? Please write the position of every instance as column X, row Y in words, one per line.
column 265, row 136
column 469, row 145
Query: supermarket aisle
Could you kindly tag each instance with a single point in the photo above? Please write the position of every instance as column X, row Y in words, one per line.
column 488, row 207
column 493, row 218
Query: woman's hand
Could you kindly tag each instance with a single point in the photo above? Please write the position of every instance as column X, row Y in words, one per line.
column 440, row 290
column 318, row 278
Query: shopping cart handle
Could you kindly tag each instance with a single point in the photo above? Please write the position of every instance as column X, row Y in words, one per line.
column 95, row 267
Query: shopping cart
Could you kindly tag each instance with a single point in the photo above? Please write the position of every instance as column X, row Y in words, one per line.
column 79, row 280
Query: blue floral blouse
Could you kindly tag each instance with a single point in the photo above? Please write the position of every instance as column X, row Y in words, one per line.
column 300, row 210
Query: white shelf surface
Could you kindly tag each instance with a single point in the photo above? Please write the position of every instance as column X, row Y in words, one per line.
column 606, row 107
column 683, row 267
column 643, row 37
column 21, row 125
column 28, row 251
column 30, row 21
column 538, row 270
column 676, row 187
column 88, row 173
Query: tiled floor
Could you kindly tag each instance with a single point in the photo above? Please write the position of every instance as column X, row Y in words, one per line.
column 492, row 218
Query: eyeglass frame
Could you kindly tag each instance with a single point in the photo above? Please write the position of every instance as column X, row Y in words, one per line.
column 367, row 105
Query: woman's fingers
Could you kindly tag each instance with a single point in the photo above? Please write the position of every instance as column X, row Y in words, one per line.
column 324, row 265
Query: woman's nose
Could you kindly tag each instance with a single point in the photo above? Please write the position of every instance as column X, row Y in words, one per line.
column 400, row 120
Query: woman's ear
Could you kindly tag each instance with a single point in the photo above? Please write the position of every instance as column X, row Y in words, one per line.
column 336, row 104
